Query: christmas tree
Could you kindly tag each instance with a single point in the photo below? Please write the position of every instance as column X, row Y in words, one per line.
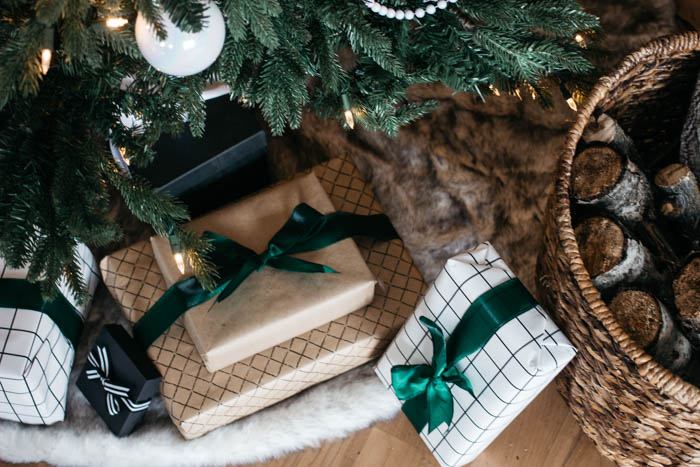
column 72, row 78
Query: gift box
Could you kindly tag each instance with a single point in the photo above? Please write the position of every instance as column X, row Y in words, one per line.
column 228, row 161
column 271, row 305
column 118, row 380
column 37, row 343
column 199, row 400
column 475, row 352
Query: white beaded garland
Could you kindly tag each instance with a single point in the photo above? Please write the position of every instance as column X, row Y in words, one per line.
column 430, row 9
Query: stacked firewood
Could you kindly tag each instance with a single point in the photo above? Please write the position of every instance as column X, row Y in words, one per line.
column 638, row 232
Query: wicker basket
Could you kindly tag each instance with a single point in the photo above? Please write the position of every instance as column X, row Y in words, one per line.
column 637, row 412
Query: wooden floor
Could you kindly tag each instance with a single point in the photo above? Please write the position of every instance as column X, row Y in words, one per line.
column 545, row 434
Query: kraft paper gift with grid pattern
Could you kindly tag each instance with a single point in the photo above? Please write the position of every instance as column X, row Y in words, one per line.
column 35, row 358
column 198, row 400
column 506, row 374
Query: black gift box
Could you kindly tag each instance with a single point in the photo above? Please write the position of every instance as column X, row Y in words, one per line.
column 123, row 368
column 226, row 163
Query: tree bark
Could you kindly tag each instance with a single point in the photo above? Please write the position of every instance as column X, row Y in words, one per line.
column 681, row 202
column 605, row 129
column 686, row 290
column 612, row 258
column 605, row 179
column 650, row 324
column 690, row 137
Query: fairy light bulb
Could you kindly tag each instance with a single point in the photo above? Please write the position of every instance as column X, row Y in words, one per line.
column 578, row 38
column 125, row 157
column 494, row 90
column 179, row 261
column 349, row 117
column 46, row 50
column 572, row 104
column 115, row 22
column 45, row 60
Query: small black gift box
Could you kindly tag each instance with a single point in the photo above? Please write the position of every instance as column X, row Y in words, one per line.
column 118, row 380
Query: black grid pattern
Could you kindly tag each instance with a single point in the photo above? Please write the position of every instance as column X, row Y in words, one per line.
column 506, row 374
column 198, row 400
column 35, row 358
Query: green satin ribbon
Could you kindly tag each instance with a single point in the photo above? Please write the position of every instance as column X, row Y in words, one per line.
column 306, row 230
column 20, row 293
column 425, row 388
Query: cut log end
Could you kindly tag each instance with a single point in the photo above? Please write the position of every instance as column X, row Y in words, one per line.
column 672, row 175
column 686, row 289
column 639, row 314
column 595, row 172
column 601, row 244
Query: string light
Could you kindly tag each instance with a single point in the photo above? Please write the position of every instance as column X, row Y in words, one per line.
column 578, row 38
column 494, row 90
column 349, row 117
column 125, row 158
column 115, row 22
column 46, row 50
column 176, row 247
column 572, row 104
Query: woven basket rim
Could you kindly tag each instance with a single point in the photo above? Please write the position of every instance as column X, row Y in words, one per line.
column 664, row 380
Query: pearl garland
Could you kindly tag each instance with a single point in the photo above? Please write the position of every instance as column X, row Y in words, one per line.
column 383, row 10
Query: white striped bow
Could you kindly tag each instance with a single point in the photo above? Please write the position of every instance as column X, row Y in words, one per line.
column 114, row 392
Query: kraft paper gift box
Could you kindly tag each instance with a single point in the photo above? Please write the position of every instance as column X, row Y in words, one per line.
column 271, row 305
column 199, row 400
column 35, row 356
column 510, row 370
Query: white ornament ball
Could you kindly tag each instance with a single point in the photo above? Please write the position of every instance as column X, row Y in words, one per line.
column 182, row 53
column 442, row 4
column 420, row 13
column 383, row 10
column 409, row 15
column 400, row 15
column 391, row 13
column 430, row 9
column 376, row 7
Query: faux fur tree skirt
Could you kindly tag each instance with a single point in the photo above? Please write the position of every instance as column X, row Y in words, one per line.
column 470, row 171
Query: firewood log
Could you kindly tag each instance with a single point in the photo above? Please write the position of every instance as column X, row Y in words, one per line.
column 650, row 324
column 612, row 258
column 690, row 137
column 681, row 201
column 605, row 179
column 686, row 290
column 605, row 129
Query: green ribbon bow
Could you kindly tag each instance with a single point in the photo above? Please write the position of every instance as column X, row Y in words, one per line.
column 306, row 230
column 20, row 293
column 425, row 388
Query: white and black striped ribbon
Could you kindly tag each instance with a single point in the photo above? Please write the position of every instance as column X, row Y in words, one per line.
column 114, row 392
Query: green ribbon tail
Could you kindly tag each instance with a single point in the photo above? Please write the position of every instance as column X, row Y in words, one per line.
column 20, row 293
column 417, row 411
column 486, row 315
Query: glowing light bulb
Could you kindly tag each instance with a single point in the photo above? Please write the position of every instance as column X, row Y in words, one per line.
column 179, row 262
column 578, row 38
column 572, row 104
column 517, row 93
column 45, row 60
column 350, row 119
column 114, row 22
column 125, row 158
column 494, row 90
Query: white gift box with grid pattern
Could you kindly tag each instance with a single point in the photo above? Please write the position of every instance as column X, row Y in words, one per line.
column 35, row 358
column 506, row 374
